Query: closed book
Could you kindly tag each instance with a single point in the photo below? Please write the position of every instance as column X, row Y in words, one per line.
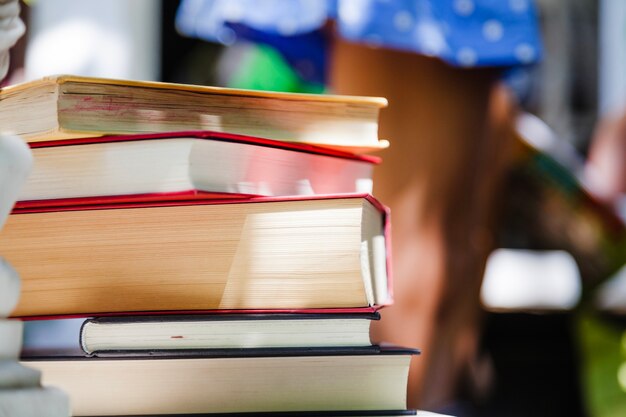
column 68, row 107
column 263, row 253
column 34, row 402
column 10, row 338
column 153, row 333
column 186, row 165
column 292, row 381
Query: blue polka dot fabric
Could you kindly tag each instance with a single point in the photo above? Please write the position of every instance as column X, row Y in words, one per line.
column 465, row 33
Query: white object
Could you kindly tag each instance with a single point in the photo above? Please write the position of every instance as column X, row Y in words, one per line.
column 531, row 280
column 113, row 38
column 540, row 136
column 10, row 339
column 14, row 375
column 9, row 288
column 11, row 29
column 34, row 402
column 15, row 164
column 612, row 88
column 611, row 296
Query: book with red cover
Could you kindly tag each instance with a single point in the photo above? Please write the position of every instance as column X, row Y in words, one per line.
column 262, row 254
column 186, row 165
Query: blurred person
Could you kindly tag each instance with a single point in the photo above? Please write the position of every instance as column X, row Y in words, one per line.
column 449, row 120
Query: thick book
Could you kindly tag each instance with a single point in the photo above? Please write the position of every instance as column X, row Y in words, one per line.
column 186, row 165
column 65, row 107
column 291, row 381
column 153, row 333
column 260, row 253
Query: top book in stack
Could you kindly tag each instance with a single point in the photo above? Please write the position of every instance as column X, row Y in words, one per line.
column 66, row 107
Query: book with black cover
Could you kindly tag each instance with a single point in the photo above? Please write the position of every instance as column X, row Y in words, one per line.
column 286, row 380
column 151, row 334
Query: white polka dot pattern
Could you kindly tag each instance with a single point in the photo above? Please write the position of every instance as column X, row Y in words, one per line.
column 493, row 30
column 525, row 53
column 467, row 57
column 461, row 32
column 464, row 7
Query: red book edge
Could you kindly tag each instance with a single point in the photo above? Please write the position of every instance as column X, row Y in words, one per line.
column 148, row 203
column 179, row 195
column 127, row 198
column 211, row 135
column 353, row 310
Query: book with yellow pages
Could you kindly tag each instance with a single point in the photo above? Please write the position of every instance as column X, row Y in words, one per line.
column 258, row 253
column 65, row 107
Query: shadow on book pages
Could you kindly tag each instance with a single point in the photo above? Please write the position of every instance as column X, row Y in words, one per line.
column 21, row 393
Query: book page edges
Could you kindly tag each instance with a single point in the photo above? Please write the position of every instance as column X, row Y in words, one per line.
column 379, row 102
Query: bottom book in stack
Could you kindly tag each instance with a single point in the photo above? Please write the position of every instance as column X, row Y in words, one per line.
column 292, row 364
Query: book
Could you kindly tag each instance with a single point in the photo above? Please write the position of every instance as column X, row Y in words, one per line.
column 34, row 402
column 293, row 381
column 153, row 333
column 14, row 375
column 185, row 165
column 261, row 253
column 67, row 107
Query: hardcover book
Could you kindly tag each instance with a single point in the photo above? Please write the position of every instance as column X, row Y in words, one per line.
column 263, row 253
column 186, row 165
column 120, row 335
column 64, row 107
column 292, row 381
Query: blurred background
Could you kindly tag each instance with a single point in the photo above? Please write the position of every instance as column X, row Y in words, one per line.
column 552, row 334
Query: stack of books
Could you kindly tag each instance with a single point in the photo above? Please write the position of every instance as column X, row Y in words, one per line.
column 21, row 393
column 219, row 248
